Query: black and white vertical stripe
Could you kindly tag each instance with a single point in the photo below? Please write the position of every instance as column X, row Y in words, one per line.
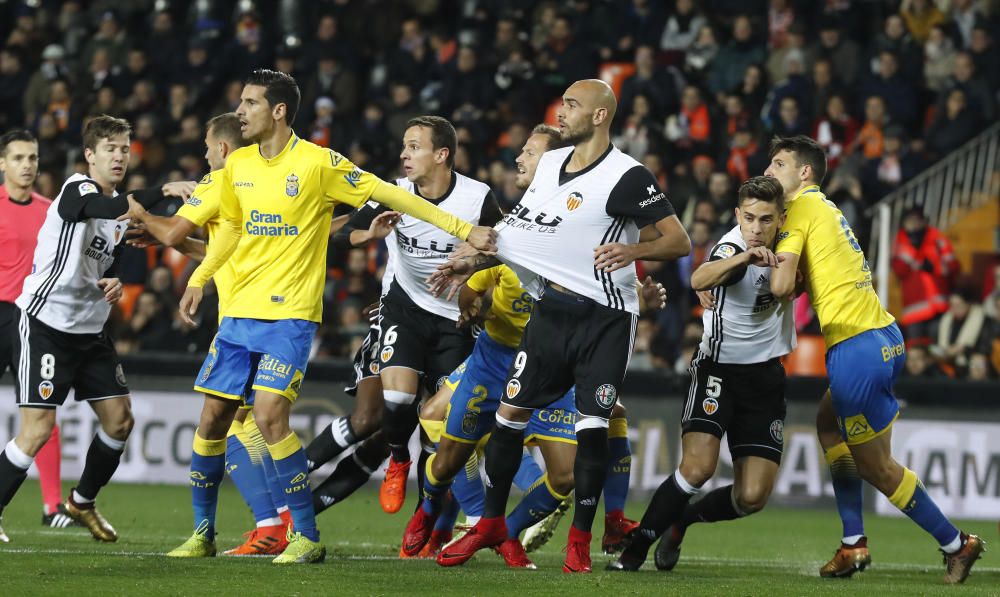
column 24, row 358
column 699, row 357
column 716, row 332
column 63, row 247
column 612, row 293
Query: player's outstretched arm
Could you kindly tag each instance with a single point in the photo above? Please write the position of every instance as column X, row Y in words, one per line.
column 454, row 273
column 400, row 200
column 672, row 243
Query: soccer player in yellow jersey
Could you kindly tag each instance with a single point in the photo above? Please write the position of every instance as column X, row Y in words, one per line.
column 247, row 460
column 865, row 354
column 277, row 199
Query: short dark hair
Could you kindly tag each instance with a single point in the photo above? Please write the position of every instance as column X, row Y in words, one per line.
column 104, row 127
column 442, row 134
column 279, row 88
column 806, row 150
column 15, row 135
column 555, row 137
column 763, row 188
column 226, row 126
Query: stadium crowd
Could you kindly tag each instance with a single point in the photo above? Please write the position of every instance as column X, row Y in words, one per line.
column 886, row 87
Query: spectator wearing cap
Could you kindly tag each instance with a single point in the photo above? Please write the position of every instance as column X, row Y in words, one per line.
column 925, row 263
column 953, row 126
column 733, row 59
column 884, row 174
column 843, row 53
column 53, row 66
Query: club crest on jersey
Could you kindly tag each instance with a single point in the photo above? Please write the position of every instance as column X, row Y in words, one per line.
column 778, row 431
column 513, row 388
column 46, row 389
column 292, row 185
column 574, row 200
column 606, row 395
column 710, row 405
column 373, row 367
column 387, row 353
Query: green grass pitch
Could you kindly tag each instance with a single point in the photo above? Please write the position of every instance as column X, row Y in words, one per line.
column 776, row 552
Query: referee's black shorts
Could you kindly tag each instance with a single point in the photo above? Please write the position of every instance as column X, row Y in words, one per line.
column 571, row 340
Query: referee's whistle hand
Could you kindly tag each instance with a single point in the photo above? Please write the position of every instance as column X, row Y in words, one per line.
column 484, row 239
column 189, row 305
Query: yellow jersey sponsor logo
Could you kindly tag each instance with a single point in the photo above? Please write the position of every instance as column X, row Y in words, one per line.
column 269, row 224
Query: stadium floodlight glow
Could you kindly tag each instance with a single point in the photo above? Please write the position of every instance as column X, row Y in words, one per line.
column 292, row 40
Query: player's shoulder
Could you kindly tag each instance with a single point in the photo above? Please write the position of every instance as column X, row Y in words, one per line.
column 734, row 237
column 471, row 185
column 730, row 244
column 209, row 180
column 554, row 158
column 80, row 184
column 242, row 155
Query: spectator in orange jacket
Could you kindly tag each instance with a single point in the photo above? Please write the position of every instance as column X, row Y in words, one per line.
column 925, row 263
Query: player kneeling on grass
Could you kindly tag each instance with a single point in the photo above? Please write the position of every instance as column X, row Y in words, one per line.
column 737, row 384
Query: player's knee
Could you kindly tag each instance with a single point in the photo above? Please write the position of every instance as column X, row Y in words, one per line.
column 366, row 421
column 561, row 480
column 33, row 436
column 752, row 499
column 696, row 472
column 122, row 427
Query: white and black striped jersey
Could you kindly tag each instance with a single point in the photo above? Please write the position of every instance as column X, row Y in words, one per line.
column 74, row 251
column 417, row 248
column 562, row 217
column 748, row 325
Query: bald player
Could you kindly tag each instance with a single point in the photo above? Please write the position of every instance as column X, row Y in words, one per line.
column 572, row 240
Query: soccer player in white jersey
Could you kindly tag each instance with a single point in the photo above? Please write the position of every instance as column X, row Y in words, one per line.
column 419, row 338
column 572, row 240
column 61, row 343
column 737, row 384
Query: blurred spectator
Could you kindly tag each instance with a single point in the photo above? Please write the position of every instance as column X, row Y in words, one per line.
column 793, row 49
column 993, row 288
column 921, row 365
column 332, row 81
column 989, row 338
column 790, row 121
column 835, row 130
column 639, row 132
column 655, row 83
column 53, row 67
column 682, row 27
column 964, row 17
column 896, row 39
column 896, row 165
column 925, row 263
column 165, row 46
column 870, row 138
column 920, row 16
column 887, row 83
column 466, row 84
column 823, row 86
column 728, row 68
column 747, row 157
column 985, row 55
column 563, row 59
column 13, row 83
column 959, row 331
column 690, row 130
column 780, row 16
column 953, row 126
column 939, row 58
column 977, row 93
column 701, row 54
column 110, row 37
column 642, row 25
column 843, row 54
column 753, row 89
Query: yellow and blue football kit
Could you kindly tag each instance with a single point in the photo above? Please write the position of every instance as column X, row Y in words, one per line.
column 479, row 382
column 864, row 346
column 202, row 210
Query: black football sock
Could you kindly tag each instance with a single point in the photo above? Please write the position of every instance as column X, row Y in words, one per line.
column 664, row 509
column 331, row 442
column 503, row 458
column 589, row 472
column 103, row 458
column 716, row 506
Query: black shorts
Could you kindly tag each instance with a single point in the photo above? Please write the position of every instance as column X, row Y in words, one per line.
column 746, row 403
column 571, row 340
column 48, row 362
column 416, row 339
column 366, row 363
column 8, row 325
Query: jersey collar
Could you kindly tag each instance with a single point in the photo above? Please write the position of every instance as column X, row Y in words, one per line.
column 292, row 141
column 810, row 189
